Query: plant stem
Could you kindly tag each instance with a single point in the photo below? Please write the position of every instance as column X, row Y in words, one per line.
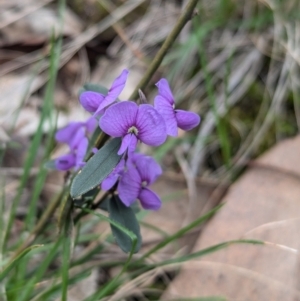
column 184, row 18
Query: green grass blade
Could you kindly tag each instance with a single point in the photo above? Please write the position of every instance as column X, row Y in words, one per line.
column 37, row 276
column 15, row 261
column 110, row 286
column 181, row 232
column 206, row 251
column 50, row 292
column 34, row 146
column 203, row 30
column 67, row 241
column 2, row 231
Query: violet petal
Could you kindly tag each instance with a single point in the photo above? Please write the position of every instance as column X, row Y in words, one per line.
column 65, row 162
column 78, row 136
column 147, row 167
column 132, row 144
column 91, row 124
column 118, row 118
column 91, row 100
column 128, row 142
column 151, row 126
column 166, row 110
column 129, row 186
column 66, row 134
column 95, row 150
column 113, row 177
column 114, row 92
column 81, row 152
column 165, row 91
column 187, row 120
column 149, row 199
column 125, row 144
column 109, row 182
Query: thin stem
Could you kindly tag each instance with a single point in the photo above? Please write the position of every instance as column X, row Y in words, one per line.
column 42, row 222
column 184, row 18
column 92, row 206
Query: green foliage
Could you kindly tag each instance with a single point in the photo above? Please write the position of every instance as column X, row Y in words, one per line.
column 39, row 265
column 97, row 168
column 125, row 216
column 14, row 262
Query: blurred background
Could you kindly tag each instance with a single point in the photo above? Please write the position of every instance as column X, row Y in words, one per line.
column 236, row 64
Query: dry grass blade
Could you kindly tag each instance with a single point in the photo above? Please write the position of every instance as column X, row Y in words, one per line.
column 139, row 282
column 70, row 48
column 122, row 34
column 147, row 32
column 239, row 83
column 235, row 272
column 28, row 8
column 192, row 189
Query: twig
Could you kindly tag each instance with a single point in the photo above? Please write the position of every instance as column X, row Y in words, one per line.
column 184, row 18
column 122, row 34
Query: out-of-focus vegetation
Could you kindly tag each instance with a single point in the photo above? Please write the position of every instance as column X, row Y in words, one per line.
column 236, row 63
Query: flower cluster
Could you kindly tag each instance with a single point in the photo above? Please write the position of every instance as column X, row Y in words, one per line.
column 133, row 123
column 133, row 178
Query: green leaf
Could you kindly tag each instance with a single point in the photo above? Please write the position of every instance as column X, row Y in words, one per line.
column 110, row 285
column 97, row 168
column 104, row 204
column 94, row 88
column 15, row 261
column 86, row 198
column 125, row 216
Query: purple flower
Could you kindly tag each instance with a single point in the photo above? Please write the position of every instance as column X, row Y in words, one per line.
column 132, row 122
column 74, row 158
column 134, row 177
column 113, row 177
column 75, row 131
column 141, row 172
column 95, row 102
column 164, row 103
column 74, row 134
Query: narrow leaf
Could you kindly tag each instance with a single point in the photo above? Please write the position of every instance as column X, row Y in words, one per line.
column 68, row 242
column 125, row 216
column 207, row 251
column 15, row 261
column 109, row 286
column 182, row 231
column 97, row 168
